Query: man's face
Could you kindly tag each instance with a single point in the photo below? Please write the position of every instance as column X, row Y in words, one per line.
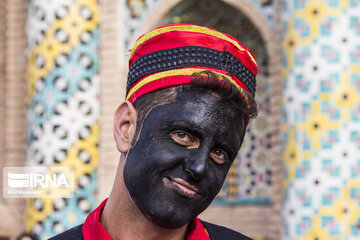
column 182, row 156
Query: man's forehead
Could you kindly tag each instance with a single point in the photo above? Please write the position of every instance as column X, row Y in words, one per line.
column 206, row 105
column 194, row 99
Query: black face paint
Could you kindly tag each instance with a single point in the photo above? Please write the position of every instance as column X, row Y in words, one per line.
column 172, row 183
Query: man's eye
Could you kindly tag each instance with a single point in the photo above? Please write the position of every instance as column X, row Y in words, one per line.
column 184, row 138
column 219, row 156
column 182, row 135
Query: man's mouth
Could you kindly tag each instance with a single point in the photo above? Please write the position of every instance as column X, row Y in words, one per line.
column 182, row 187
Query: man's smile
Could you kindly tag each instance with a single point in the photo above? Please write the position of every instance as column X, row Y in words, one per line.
column 182, row 187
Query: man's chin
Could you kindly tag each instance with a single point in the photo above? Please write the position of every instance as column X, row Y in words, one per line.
column 172, row 215
column 164, row 217
column 171, row 222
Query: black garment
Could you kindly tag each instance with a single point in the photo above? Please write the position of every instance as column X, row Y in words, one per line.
column 74, row 233
column 215, row 232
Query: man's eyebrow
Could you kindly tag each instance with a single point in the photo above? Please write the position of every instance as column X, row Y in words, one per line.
column 189, row 126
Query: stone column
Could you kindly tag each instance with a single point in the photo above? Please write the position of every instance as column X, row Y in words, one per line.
column 63, row 106
column 321, row 48
column 12, row 108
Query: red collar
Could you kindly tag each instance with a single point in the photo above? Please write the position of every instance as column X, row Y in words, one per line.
column 93, row 230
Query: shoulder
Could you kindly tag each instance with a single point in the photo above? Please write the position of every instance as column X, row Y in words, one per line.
column 74, row 233
column 217, row 232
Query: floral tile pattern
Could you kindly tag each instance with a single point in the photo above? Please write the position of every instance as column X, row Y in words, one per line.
column 321, row 119
column 63, row 106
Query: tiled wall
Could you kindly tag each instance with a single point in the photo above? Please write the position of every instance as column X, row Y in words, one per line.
column 321, row 103
column 63, row 106
column 321, row 108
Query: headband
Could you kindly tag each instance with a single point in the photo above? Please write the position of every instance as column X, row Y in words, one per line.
column 170, row 55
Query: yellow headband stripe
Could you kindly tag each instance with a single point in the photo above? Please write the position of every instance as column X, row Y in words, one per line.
column 178, row 72
column 189, row 28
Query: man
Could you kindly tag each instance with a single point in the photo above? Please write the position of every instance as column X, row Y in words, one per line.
column 190, row 95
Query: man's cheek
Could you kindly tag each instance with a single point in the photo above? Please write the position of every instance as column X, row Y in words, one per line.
column 217, row 176
column 165, row 155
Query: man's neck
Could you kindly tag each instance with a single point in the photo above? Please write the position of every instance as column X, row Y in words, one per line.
column 124, row 221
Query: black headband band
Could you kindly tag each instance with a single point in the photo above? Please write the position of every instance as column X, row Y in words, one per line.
column 190, row 56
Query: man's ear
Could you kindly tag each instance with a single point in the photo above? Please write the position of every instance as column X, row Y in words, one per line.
column 124, row 126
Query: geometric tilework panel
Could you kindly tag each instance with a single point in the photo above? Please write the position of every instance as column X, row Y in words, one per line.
column 321, row 71
column 249, row 179
column 63, row 106
column 53, row 216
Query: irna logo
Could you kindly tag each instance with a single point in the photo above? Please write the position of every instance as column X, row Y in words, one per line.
column 38, row 182
column 34, row 180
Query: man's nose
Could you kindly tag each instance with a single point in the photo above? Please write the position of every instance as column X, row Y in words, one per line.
column 197, row 163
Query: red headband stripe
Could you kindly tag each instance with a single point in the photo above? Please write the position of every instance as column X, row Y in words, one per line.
column 175, row 39
column 161, row 83
column 192, row 28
